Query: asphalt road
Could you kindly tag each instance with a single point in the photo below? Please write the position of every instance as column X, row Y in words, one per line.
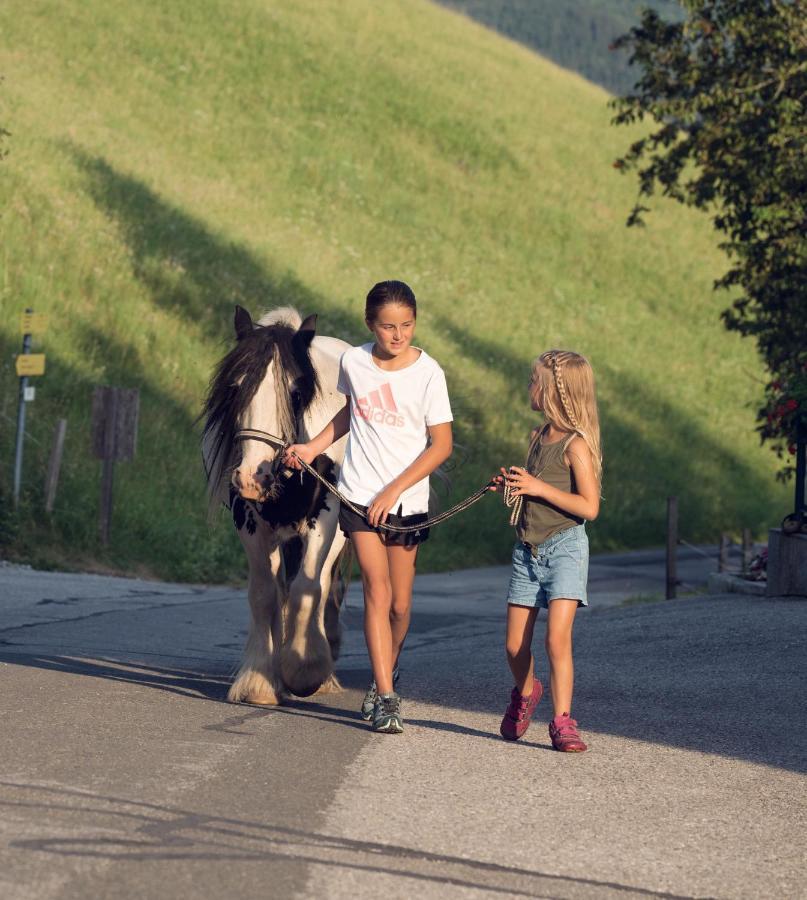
column 123, row 773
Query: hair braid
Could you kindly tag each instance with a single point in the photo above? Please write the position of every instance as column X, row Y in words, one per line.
column 557, row 372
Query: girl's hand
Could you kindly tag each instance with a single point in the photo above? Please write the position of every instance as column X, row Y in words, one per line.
column 523, row 484
column 381, row 505
column 497, row 482
column 305, row 453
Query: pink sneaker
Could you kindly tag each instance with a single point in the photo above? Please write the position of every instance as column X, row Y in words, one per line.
column 563, row 731
column 519, row 712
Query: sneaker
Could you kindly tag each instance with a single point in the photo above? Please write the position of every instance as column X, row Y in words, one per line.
column 387, row 714
column 563, row 731
column 368, row 704
column 519, row 712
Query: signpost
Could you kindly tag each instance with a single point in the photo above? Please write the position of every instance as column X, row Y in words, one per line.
column 114, row 436
column 28, row 365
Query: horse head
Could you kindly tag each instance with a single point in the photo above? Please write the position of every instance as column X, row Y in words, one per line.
column 266, row 383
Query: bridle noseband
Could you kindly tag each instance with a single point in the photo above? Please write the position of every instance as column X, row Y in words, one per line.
column 255, row 434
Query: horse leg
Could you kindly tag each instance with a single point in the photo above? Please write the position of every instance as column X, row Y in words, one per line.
column 257, row 680
column 306, row 662
column 339, row 577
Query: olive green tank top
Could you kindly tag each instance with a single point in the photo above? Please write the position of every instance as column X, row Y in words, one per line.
column 541, row 520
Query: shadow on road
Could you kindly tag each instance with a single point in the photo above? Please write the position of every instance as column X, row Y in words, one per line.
column 136, row 830
column 712, row 675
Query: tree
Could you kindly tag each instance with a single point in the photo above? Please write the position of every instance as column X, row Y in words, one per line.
column 726, row 89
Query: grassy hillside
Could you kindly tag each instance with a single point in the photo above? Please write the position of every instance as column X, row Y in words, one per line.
column 576, row 34
column 169, row 161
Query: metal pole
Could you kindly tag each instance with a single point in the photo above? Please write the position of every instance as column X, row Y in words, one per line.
column 801, row 465
column 672, row 546
column 18, row 450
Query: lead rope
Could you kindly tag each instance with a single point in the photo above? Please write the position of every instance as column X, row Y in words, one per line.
column 256, row 434
column 514, row 502
column 399, row 529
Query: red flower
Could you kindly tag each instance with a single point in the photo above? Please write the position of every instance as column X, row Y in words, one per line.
column 791, row 449
column 791, row 404
column 779, row 411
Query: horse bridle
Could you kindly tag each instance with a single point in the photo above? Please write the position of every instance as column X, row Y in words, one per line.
column 255, row 434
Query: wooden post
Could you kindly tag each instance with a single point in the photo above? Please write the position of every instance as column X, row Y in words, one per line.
column 748, row 550
column 723, row 558
column 672, row 546
column 55, row 464
column 114, row 415
column 108, row 468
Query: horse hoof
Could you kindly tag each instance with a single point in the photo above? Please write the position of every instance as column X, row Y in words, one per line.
column 329, row 686
column 304, row 678
column 254, row 689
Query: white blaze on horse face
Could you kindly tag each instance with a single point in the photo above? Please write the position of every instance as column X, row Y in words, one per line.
column 253, row 477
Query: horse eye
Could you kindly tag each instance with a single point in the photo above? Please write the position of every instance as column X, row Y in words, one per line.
column 296, row 399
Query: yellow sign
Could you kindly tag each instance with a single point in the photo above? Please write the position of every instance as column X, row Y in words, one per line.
column 33, row 323
column 31, row 364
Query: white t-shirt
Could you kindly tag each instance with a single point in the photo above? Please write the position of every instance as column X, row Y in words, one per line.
column 390, row 412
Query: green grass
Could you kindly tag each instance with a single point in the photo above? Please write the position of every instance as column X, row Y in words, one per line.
column 169, row 161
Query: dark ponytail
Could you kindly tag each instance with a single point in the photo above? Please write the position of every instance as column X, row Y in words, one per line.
column 389, row 292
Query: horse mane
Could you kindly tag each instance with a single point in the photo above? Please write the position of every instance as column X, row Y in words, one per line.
column 236, row 379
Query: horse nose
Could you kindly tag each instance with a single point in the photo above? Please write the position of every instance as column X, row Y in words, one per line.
column 264, row 474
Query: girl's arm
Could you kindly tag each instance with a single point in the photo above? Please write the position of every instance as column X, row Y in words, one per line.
column 308, row 452
column 585, row 503
column 440, row 446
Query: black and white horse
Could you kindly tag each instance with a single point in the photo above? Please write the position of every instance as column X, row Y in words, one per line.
column 280, row 379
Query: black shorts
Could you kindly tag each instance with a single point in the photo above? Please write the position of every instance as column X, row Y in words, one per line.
column 350, row 521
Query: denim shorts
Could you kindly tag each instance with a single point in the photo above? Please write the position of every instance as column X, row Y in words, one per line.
column 556, row 568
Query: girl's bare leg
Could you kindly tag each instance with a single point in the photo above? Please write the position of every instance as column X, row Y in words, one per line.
column 375, row 574
column 402, row 576
column 520, row 625
column 559, row 650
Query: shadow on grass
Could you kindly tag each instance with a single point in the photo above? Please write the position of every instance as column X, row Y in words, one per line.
column 188, row 269
column 652, row 450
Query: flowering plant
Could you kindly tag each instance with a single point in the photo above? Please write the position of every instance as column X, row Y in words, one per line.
column 783, row 414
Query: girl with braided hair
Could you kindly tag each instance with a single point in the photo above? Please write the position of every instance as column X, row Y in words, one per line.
column 560, row 490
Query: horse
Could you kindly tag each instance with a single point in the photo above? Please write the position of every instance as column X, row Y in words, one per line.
column 280, row 380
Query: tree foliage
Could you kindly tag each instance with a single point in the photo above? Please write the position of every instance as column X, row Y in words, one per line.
column 726, row 89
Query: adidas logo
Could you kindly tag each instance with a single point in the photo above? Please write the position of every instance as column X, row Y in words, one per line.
column 379, row 406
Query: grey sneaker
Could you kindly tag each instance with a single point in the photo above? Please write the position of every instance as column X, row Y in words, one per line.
column 387, row 714
column 368, row 704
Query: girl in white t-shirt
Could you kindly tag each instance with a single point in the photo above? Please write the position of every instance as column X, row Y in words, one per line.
column 398, row 418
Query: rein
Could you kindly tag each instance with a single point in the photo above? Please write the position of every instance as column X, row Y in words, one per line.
column 255, row 434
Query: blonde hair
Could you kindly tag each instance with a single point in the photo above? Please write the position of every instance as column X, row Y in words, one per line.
column 569, row 398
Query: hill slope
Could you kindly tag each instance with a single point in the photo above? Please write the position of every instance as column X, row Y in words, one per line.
column 168, row 162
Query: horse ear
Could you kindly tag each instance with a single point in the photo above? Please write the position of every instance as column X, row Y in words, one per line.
column 243, row 322
column 308, row 329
